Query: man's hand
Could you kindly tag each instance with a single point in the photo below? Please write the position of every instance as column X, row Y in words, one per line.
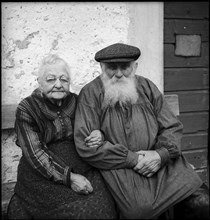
column 95, row 139
column 80, row 184
column 149, row 163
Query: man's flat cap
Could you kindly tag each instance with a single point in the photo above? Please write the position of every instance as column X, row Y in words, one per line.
column 118, row 53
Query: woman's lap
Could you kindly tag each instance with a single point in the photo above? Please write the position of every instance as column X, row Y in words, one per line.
column 58, row 201
column 42, row 198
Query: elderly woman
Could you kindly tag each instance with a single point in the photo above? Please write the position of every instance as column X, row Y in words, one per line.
column 52, row 180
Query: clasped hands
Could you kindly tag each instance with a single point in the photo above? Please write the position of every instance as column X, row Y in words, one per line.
column 149, row 162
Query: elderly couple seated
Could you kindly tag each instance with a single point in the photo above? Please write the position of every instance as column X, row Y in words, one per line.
column 111, row 152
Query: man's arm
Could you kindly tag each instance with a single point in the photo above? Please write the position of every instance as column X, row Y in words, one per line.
column 168, row 141
column 108, row 155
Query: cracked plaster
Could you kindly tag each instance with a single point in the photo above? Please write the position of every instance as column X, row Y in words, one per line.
column 75, row 31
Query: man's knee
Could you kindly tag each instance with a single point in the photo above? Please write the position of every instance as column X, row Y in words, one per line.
column 194, row 206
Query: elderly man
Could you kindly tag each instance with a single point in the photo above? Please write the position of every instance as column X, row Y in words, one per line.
column 140, row 157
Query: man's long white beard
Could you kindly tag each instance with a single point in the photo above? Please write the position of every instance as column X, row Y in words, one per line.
column 122, row 90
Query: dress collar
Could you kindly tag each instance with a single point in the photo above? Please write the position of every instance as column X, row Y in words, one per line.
column 51, row 110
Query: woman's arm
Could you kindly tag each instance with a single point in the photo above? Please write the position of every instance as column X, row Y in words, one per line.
column 40, row 157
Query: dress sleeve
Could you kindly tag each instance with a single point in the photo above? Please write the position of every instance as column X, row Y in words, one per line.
column 108, row 156
column 36, row 152
column 168, row 143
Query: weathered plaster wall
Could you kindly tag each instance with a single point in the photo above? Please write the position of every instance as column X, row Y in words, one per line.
column 146, row 32
column 75, row 31
column 10, row 155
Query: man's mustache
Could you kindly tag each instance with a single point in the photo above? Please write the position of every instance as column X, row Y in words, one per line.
column 118, row 81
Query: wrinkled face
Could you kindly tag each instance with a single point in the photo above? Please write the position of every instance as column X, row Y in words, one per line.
column 55, row 81
column 119, row 71
column 119, row 83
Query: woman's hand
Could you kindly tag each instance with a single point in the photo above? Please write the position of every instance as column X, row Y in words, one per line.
column 149, row 163
column 95, row 139
column 80, row 184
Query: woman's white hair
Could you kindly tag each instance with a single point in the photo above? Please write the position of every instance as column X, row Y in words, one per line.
column 52, row 59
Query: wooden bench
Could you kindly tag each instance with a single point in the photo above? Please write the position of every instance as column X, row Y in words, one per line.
column 8, row 120
column 8, row 111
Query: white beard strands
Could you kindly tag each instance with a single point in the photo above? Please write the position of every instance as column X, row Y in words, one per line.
column 122, row 91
